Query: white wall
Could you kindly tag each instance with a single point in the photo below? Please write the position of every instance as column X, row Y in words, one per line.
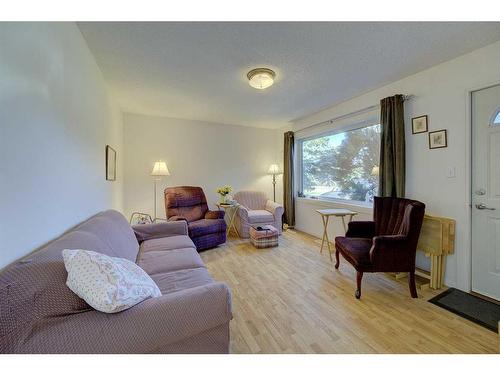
column 440, row 92
column 55, row 120
column 197, row 153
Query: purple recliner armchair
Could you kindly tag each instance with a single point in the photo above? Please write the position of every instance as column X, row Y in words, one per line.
column 206, row 228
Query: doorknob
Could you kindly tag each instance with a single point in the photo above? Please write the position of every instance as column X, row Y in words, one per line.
column 480, row 192
column 482, row 206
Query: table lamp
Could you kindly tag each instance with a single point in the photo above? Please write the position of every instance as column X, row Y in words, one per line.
column 274, row 169
column 159, row 170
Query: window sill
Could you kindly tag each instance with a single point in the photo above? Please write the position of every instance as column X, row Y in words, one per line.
column 333, row 203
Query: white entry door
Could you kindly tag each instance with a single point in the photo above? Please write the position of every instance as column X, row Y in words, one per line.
column 486, row 192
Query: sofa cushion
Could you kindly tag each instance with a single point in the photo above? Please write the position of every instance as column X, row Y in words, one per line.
column 165, row 244
column 154, row 262
column 206, row 226
column 355, row 250
column 260, row 216
column 106, row 283
column 113, row 229
column 170, row 282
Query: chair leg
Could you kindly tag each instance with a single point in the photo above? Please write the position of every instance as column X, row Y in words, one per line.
column 359, row 276
column 411, row 284
column 337, row 259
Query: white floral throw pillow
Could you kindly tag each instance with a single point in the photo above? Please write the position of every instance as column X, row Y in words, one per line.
column 107, row 284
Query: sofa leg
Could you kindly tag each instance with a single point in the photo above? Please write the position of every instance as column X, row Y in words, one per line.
column 411, row 284
column 337, row 259
column 359, row 276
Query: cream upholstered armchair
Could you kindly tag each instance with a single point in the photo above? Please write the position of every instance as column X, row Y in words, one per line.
column 256, row 210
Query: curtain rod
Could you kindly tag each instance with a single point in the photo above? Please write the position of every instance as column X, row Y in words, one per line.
column 351, row 114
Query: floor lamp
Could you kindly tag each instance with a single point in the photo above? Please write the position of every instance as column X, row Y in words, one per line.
column 274, row 169
column 159, row 170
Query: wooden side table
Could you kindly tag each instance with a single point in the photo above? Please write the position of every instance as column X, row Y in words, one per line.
column 325, row 215
column 231, row 209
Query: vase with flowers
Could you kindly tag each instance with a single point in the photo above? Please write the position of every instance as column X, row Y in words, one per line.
column 223, row 192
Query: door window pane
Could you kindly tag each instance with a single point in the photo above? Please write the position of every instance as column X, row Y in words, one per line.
column 496, row 119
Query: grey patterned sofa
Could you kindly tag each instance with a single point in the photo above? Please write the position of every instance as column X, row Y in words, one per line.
column 40, row 314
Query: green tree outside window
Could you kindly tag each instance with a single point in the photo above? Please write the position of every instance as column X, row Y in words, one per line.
column 340, row 165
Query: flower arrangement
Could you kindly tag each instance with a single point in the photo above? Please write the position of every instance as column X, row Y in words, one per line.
column 223, row 191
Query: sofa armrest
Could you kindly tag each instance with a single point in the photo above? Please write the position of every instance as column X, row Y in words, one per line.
column 144, row 328
column 145, row 232
column 275, row 208
column 218, row 214
column 361, row 229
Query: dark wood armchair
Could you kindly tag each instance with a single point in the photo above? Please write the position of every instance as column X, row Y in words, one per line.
column 387, row 244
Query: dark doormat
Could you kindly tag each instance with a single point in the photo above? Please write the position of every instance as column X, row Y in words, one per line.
column 470, row 307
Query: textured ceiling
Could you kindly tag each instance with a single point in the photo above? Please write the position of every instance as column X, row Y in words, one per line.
column 198, row 70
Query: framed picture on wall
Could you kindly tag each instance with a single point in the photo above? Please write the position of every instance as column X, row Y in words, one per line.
column 438, row 139
column 110, row 163
column 419, row 124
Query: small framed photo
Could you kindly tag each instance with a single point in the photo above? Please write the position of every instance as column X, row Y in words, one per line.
column 438, row 139
column 110, row 163
column 419, row 124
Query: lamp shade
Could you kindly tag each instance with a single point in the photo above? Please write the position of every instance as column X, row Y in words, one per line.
column 274, row 169
column 160, row 169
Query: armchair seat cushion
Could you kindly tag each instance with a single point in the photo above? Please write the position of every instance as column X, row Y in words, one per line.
column 260, row 216
column 355, row 250
column 206, row 226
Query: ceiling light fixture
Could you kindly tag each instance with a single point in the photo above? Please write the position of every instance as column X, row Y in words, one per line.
column 261, row 78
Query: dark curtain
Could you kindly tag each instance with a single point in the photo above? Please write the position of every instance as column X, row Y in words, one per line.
column 288, row 195
column 392, row 147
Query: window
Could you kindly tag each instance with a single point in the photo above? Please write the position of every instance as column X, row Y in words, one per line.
column 341, row 165
column 496, row 118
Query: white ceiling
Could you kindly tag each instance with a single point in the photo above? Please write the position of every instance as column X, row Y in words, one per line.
column 198, row 70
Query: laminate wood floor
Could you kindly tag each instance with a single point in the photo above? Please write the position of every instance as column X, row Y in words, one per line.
column 290, row 299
